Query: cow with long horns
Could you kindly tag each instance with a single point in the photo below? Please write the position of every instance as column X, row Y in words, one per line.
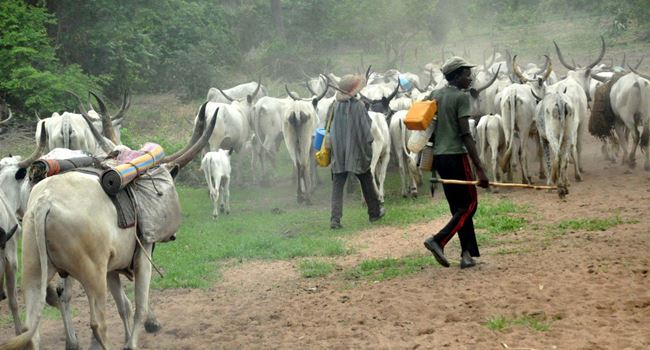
column 84, row 241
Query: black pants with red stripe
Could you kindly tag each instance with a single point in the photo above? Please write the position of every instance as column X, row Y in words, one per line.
column 462, row 201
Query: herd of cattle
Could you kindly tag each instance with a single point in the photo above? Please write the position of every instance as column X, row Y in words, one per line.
column 514, row 110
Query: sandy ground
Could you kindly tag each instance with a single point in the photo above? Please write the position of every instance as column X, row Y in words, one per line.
column 593, row 287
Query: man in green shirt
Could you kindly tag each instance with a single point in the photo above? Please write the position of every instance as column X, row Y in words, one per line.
column 452, row 145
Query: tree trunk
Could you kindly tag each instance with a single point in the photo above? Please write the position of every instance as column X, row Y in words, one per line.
column 278, row 18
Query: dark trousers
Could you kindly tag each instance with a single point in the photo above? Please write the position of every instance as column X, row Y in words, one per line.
column 462, row 201
column 367, row 187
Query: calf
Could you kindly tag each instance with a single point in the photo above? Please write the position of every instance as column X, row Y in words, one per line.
column 490, row 138
column 216, row 167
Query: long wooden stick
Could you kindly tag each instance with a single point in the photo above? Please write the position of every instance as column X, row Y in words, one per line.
column 495, row 184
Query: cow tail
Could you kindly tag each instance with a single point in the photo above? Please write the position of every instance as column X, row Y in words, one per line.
column 38, row 221
column 481, row 131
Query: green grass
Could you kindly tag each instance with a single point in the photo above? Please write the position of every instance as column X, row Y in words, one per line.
column 389, row 268
column 537, row 322
column 315, row 268
column 497, row 323
column 585, row 224
column 49, row 313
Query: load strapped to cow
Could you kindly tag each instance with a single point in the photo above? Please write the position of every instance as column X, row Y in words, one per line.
column 140, row 189
column 601, row 121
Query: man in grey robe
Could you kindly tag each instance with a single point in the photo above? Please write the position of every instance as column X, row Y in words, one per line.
column 351, row 149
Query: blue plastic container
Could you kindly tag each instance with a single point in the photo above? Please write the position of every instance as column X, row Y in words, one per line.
column 319, row 135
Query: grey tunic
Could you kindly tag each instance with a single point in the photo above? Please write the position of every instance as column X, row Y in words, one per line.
column 351, row 138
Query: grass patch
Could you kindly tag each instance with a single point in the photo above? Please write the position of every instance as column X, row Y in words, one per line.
column 389, row 268
column 590, row 224
column 497, row 323
column 315, row 268
column 584, row 224
column 49, row 313
column 538, row 322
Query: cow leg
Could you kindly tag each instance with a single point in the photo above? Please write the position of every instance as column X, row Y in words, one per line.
column 10, row 275
column 64, row 294
column 381, row 178
column 95, row 287
column 142, row 283
column 225, row 182
column 523, row 156
column 623, row 140
column 635, row 143
column 121, row 302
column 215, row 199
column 575, row 154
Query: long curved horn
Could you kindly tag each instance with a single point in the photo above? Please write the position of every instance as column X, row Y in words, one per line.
column 293, row 97
column 309, row 88
column 561, row 58
column 39, row 149
column 532, row 91
column 486, row 85
column 639, row 74
column 320, row 97
column 600, row 57
column 599, row 78
column 517, row 70
column 226, row 96
column 203, row 140
column 368, row 73
column 196, row 134
column 126, row 104
column 3, row 122
column 105, row 146
column 394, row 93
column 639, row 64
column 107, row 125
column 257, row 89
column 548, row 68
column 38, row 117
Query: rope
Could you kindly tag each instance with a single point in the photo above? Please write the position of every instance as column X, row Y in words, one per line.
column 144, row 251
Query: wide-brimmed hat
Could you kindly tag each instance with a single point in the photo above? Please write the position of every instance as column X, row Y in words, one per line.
column 455, row 63
column 349, row 85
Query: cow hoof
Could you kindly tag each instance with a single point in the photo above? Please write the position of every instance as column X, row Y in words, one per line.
column 215, row 217
column 3, row 296
column 578, row 178
column 73, row 346
column 227, row 212
column 152, row 326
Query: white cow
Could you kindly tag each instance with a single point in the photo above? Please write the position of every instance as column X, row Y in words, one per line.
column 84, row 241
column 239, row 92
column 299, row 123
column 216, row 168
column 491, row 140
column 70, row 130
column 407, row 161
column 380, row 151
column 557, row 124
column 267, row 128
column 517, row 112
column 233, row 128
column 630, row 100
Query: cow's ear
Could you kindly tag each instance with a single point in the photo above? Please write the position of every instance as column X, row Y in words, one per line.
column 20, row 174
column 540, row 82
column 473, row 92
column 314, row 102
column 249, row 99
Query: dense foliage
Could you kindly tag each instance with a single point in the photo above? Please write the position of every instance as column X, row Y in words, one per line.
column 186, row 46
